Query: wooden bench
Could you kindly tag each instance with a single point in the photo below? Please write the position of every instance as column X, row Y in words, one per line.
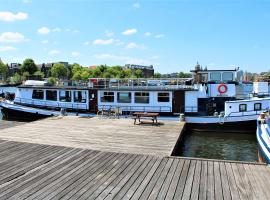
column 143, row 115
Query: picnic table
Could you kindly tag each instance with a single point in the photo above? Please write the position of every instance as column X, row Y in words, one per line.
column 144, row 115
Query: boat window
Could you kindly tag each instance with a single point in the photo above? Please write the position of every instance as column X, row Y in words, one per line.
column 107, row 97
column 51, row 95
column 163, row 97
column 124, row 97
column 141, row 97
column 65, row 96
column 242, row 107
column 257, row 106
column 215, row 76
column 38, row 94
column 227, row 76
column 80, row 96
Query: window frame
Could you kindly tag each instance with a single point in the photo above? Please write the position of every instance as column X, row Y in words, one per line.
column 38, row 98
column 137, row 97
column 51, row 99
column 257, row 104
column 59, row 93
column 158, row 97
column 83, row 100
column 225, row 74
column 242, row 105
column 129, row 95
column 107, row 95
column 211, row 74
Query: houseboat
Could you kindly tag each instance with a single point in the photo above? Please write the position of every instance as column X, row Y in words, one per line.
column 263, row 138
column 210, row 103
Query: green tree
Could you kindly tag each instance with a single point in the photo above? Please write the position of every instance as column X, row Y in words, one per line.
column 77, row 76
column 52, row 80
column 39, row 73
column 3, row 70
column 25, row 75
column 138, row 73
column 59, row 71
column 157, row 75
column 75, row 68
column 85, row 74
column 29, row 66
column 16, row 78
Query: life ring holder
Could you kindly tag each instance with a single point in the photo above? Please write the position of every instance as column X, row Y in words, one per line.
column 222, row 88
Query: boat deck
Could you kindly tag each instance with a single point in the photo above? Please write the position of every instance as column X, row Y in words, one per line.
column 113, row 135
column 36, row 171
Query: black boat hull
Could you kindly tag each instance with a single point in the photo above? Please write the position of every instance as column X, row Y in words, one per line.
column 11, row 114
column 232, row 127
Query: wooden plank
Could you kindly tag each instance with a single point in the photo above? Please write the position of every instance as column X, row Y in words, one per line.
column 138, row 172
column 163, row 191
column 41, row 180
column 217, row 182
column 261, row 180
column 224, row 182
column 196, row 181
column 189, row 181
column 210, row 181
column 136, row 167
column 56, row 187
column 258, row 193
column 175, row 180
column 61, row 160
column 161, row 179
column 244, row 194
column 247, row 185
column 182, row 181
column 232, row 182
column 103, row 181
column 63, row 173
column 68, row 189
column 135, row 187
column 203, row 181
column 148, row 189
column 94, row 181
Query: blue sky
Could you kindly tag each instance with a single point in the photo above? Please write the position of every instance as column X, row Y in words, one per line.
column 171, row 35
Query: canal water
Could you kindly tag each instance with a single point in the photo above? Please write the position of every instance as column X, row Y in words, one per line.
column 223, row 146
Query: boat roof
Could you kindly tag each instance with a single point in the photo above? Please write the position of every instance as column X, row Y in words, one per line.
column 127, row 88
column 249, row 100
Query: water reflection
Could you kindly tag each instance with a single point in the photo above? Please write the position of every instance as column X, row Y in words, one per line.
column 227, row 146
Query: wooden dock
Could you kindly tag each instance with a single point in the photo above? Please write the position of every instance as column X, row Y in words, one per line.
column 36, row 171
column 113, row 135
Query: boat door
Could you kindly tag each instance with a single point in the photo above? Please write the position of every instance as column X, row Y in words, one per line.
column 93, row 101
column 178, row 101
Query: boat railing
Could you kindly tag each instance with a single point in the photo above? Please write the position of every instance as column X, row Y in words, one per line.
column 50, row 104
column 137, row 108
column 245, row 113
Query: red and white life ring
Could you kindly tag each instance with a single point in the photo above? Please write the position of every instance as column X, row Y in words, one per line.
column 222, row 88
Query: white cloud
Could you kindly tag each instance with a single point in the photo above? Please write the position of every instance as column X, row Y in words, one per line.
column 109, row 33
column 103, row 42
column 132, row 45
column 147, row 34
column 9, row 37
column 67, row 30
column 44, row 30
column 130, row 31
column 136, row 5
column 10, row 17
column 45, row 41
column 56, row 29
column 75, row 31
column 86, row 43
column 75, row 53
column 7, row 48
column 154, row 57
column 53, row 52
column 159, row 36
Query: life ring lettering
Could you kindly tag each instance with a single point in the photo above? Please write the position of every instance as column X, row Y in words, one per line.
column 222, row 88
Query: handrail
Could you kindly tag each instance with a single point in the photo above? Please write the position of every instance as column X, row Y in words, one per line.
column 141, row 108
column 55, row 104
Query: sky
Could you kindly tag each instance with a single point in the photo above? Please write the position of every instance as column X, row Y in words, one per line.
column 171, row 35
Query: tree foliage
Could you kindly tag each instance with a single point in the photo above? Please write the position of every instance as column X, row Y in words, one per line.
column 3, row 70
column 17, row 78
column 29, row 66
column 59, row 71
